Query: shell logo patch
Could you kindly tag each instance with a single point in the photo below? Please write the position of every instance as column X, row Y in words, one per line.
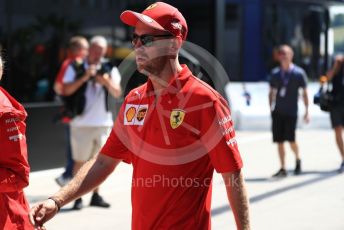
column 141, row 114
column 135, row 114
column 151, row 6
column 130, row 114
column 176, row 118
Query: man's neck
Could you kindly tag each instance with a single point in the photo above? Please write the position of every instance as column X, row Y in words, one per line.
column 286, row 66
column 165, row 76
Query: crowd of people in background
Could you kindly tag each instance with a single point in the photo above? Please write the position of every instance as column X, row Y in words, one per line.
column 285, row 82
column 84, row 82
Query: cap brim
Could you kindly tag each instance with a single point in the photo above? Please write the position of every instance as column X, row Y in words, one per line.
column 131, row 18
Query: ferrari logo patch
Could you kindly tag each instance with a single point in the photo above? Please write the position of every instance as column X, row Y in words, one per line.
column 176, row 118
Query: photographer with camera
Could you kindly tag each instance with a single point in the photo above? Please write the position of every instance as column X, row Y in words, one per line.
column 86, row 86
column 336, row 76
column 78, row 50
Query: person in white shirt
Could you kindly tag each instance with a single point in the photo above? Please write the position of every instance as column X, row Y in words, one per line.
column 86, row 88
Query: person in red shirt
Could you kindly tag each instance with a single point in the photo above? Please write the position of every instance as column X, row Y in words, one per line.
column 14, row 166
column 78, row 50
column 175, row 130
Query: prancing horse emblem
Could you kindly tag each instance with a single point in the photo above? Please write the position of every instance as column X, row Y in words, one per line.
column 176, row 118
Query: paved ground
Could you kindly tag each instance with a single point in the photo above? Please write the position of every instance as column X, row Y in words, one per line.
column 314, row 200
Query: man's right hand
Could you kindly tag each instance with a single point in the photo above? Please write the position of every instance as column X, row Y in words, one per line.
column 42, row 212
column 91, row 71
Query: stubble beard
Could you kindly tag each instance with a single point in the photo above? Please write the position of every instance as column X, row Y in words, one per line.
column 153, row 67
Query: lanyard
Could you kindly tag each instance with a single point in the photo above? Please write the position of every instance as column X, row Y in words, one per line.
column 285, row 76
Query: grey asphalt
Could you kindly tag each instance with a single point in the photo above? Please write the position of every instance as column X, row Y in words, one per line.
column 313, row 200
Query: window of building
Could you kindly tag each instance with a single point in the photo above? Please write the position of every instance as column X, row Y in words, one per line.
column 336, row 31
column 303, row 27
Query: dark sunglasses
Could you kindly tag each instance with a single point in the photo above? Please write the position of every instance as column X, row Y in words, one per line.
column 147, row 39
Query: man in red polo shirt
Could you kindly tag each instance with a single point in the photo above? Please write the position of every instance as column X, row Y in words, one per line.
column 174, row 130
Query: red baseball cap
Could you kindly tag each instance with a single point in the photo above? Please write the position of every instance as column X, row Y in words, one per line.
column 160, row 16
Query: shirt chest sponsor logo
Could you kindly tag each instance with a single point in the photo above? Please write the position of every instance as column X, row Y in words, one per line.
column 12, row 129
column 16, row 138
column 11, row 120
column 225, row 120
column 176, row 118
column 135, row 114
column 231, row 142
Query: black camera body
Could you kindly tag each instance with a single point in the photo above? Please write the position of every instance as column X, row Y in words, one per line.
column 316, row 98
column 103, row 68
column 324, row 98
column 101, row 71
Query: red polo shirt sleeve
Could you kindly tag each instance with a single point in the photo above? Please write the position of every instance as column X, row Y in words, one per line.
column 224, row 154
column 58, row 84
column 114, row 147
column 62, row 70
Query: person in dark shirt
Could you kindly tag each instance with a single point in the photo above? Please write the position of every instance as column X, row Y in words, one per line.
column 285, row 82
column 336, row 75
